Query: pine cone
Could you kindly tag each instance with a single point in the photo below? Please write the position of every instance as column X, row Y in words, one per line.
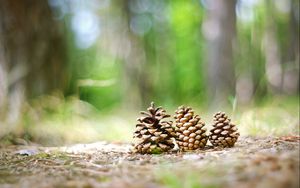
column 224, row 133
column 153, row 135
column 190, row 130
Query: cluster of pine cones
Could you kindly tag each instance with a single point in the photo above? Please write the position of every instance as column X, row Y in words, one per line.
column 154, row 134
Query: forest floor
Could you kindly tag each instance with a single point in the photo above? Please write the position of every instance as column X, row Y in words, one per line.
column 252, row 162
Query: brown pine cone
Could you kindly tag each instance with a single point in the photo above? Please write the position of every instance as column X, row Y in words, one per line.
column 153, row 135
column 224, row 133
column 190, row 130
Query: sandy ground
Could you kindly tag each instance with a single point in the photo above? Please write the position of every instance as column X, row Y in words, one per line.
column 253, row 162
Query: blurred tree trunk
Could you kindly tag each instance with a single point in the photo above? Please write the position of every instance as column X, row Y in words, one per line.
column 32, row 54
column 272, row 51
column 220, row 32
column 291, row 71
column 135, row 79
column 3, row 81
column 282, row 60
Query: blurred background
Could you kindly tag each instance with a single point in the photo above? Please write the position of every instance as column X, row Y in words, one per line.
column 80, row 71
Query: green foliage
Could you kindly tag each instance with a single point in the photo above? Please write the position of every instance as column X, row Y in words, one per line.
column 97, row 69
column 167, row 64
column 185, row 48
column 156, row 151
column 275, row 116
column 175, row 70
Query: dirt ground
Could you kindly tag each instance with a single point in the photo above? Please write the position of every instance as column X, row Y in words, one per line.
column 253, row 162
